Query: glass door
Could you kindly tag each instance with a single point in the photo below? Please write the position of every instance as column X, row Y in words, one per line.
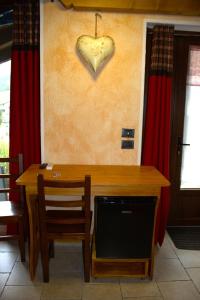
column 190, row 165
column 185, row 132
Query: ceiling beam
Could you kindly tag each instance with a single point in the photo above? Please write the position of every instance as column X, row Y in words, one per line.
column 171, row 7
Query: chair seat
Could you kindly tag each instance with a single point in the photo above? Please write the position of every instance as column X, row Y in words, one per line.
column 9, row 209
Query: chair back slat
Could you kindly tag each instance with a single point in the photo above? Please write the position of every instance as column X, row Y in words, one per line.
column 64, row 184
column 8, row 190
column 13, row 176
column 9, row 160
column 66, row 221
column 4, row 190
column 8, row 185
column 65, row 203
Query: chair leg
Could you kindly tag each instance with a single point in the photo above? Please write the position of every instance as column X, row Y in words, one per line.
column 21, row 240
column 45, row 260
column 86, row 259
column 26, row 224
column 51, row 249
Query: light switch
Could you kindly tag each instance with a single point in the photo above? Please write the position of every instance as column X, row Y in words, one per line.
column 128, row 132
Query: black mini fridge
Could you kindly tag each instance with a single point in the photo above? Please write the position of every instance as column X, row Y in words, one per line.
column 124, row 226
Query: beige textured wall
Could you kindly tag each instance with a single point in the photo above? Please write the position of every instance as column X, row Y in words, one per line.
column 83, row 114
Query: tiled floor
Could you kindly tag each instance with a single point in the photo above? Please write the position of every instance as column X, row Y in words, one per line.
column 176, row 276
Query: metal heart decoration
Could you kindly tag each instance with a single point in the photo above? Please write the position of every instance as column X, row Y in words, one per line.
column 95, row 49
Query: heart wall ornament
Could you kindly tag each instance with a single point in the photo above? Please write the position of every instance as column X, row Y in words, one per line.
column 95, row 50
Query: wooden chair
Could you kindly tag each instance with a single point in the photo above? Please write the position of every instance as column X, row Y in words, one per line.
column 10, row 212
column 65, row 220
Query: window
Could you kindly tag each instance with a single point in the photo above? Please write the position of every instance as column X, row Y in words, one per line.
column 6, row 29
column 191, row 158
column 4, row 107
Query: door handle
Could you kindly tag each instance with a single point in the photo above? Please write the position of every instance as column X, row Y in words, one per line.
column 180, row 145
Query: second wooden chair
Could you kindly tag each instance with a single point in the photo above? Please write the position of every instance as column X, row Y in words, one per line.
column 12, row 213
column 59, row 221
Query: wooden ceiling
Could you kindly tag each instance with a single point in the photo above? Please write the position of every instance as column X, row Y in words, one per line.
column 171, row 7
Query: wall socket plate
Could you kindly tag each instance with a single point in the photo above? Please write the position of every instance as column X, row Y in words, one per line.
column 128, row 132
column 127, row 144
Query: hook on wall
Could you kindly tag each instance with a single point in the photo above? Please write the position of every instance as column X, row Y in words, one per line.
column 100, row 16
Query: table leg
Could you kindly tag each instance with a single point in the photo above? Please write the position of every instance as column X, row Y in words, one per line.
column 151, row 261
column 33, row 233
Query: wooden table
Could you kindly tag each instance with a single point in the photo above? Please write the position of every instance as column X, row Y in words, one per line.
column 107, row 180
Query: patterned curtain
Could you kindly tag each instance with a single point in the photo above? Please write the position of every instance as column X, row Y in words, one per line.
column 25, row 83
column 156, row 143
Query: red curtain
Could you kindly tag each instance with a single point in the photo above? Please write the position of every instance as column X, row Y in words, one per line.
column 156, row 144
column 25, row 106
column 25, row 87
column 25, row 83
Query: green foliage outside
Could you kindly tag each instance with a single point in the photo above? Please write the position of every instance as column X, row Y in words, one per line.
column 4, row 149
column 4, row 152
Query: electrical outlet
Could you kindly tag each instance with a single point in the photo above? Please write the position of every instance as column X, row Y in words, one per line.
column 127, row 144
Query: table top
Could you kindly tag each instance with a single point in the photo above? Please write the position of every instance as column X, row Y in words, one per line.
column 101, row 175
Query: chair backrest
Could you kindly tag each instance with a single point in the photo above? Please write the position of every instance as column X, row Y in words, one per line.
column 83, row 202
column 11, row 169
column 3, row 196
